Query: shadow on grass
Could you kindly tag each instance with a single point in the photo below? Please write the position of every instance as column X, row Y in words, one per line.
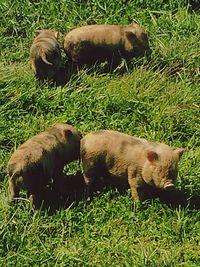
column 171, row 69
column 194, row 5
column 177, row 198
column 74, row 190
column 120, row 67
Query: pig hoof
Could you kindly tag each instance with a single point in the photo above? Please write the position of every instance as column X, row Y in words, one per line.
column 35, row 202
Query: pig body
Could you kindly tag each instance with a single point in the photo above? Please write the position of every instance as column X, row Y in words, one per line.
column 88, row 44
column 41, row 159
column 111, row 154
column 46, row 56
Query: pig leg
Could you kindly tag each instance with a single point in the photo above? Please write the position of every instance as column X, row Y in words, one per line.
column 134, row 190
column 88, row 174
column 89, row 184
column 91, row 177
column 13, row 188
column 57, row 186
column 135, row 185
column 35, row 201
column 35, row 184
column 113, row 61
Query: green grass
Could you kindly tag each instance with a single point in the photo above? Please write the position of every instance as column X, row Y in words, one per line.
column 159, row 100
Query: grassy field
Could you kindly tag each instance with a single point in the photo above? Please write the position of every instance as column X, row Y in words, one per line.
column 159, row 100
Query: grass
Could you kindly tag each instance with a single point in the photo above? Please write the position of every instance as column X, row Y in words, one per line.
column 159, row 100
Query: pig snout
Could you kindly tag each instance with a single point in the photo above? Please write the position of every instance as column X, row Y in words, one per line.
column 169, row 185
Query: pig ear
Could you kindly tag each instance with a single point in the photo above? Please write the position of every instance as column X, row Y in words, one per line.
column 67, row 134
column 129, row 34
column 179, row 152
column 37, row 32
column 134, row 21
column 151, row 156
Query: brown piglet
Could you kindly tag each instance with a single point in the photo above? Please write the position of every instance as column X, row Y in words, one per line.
column 46, row 56
column 91, row 43
column 117, row 156
column 40, row 161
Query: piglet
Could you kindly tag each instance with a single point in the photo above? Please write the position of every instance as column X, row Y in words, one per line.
column 117, row 156
column 92, row 43
column 45, row 57
column 39, row 161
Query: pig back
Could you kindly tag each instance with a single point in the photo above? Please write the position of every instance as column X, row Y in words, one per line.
column 95, row 34
column 39, row 149
column 88, row 44
column 108, row 142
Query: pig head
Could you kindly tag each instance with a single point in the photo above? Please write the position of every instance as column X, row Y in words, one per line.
column 45, row 56
column 136, row 42
column 160, row 168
